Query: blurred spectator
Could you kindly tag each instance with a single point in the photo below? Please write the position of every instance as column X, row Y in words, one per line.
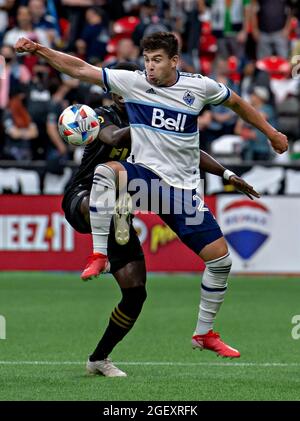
column 221, row 71
column 271, row 23
column 75, row 10
column 15, row 72
column 126, row 51
column 41, row 19
column 131, row 7
column 251, row 77
column 5, row 6
column 150, row 21
column 55, row 108
column 223, row 119
column 94, row 36
column 186, row 14
column 186, row 63
column 230, row 23
column 256, row 145
column 57, row 151
column 222, row 123
column 25, row 28
column 19, row 128
column 37, row 104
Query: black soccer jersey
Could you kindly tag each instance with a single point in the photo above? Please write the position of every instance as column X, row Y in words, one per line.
column 98, row 152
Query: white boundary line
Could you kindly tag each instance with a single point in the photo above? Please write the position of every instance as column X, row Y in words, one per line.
column 160, row 363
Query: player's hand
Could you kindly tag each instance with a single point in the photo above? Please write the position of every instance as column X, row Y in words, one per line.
column 241, row 185
column 279, row 142
column 25, row 45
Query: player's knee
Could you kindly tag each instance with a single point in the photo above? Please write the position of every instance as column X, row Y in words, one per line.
column 136, row 294
column 217, row 271
column 221, row 264
column 133, row 300
column 106, row 171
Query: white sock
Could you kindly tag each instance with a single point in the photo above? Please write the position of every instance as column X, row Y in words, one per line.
column 102, row 205
column 213, row 289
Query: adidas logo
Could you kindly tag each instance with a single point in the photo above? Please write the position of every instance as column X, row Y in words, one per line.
column 151, row 91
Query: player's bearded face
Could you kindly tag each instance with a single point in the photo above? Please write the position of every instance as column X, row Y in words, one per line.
column 160, row 67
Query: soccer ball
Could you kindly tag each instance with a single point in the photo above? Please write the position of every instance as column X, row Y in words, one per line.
column 78, row 125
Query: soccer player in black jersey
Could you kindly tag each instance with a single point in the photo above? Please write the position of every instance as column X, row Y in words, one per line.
column 127, row 262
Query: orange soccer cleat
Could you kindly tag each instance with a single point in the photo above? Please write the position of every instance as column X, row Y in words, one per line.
column 97, row 263
column 212, row 341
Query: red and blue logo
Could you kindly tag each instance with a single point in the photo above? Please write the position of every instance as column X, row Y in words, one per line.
column 246, row 226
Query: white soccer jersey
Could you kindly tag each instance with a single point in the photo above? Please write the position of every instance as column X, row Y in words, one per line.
column 163, row 121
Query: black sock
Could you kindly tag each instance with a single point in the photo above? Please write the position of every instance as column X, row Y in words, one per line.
column 121, row 321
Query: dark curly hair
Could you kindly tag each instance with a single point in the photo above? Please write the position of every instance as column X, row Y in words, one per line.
column 161, row 40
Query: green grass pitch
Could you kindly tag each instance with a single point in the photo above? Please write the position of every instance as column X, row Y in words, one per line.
column 54, row 320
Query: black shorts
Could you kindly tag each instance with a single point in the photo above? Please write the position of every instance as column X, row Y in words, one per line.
column 71, row 207
column 118, row 255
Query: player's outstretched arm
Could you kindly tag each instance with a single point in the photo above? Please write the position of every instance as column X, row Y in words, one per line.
column 249, row 114
column 114, row 136
column 62, row 62
column 212, row 166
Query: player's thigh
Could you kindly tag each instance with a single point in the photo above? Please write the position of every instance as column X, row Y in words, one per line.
column 201, row 234
column 77, row 213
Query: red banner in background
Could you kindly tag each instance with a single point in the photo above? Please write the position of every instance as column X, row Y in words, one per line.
column 34, row 235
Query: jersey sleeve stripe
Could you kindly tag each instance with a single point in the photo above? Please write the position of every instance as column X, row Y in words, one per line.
column 105, row 81
column 168, row 132
column 228, row 93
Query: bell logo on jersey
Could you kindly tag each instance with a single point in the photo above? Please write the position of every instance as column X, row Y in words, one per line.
column 171, row 124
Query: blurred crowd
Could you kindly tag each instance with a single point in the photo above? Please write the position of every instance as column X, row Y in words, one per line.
column 253, row 46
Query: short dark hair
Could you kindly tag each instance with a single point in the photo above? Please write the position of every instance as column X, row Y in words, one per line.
column 161, row 40
column 126, row 65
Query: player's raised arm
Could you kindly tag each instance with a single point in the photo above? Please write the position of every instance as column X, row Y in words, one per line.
column 249, row 114
column 62, row 62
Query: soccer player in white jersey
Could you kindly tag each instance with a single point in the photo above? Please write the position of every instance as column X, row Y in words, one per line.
column 163, row 106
